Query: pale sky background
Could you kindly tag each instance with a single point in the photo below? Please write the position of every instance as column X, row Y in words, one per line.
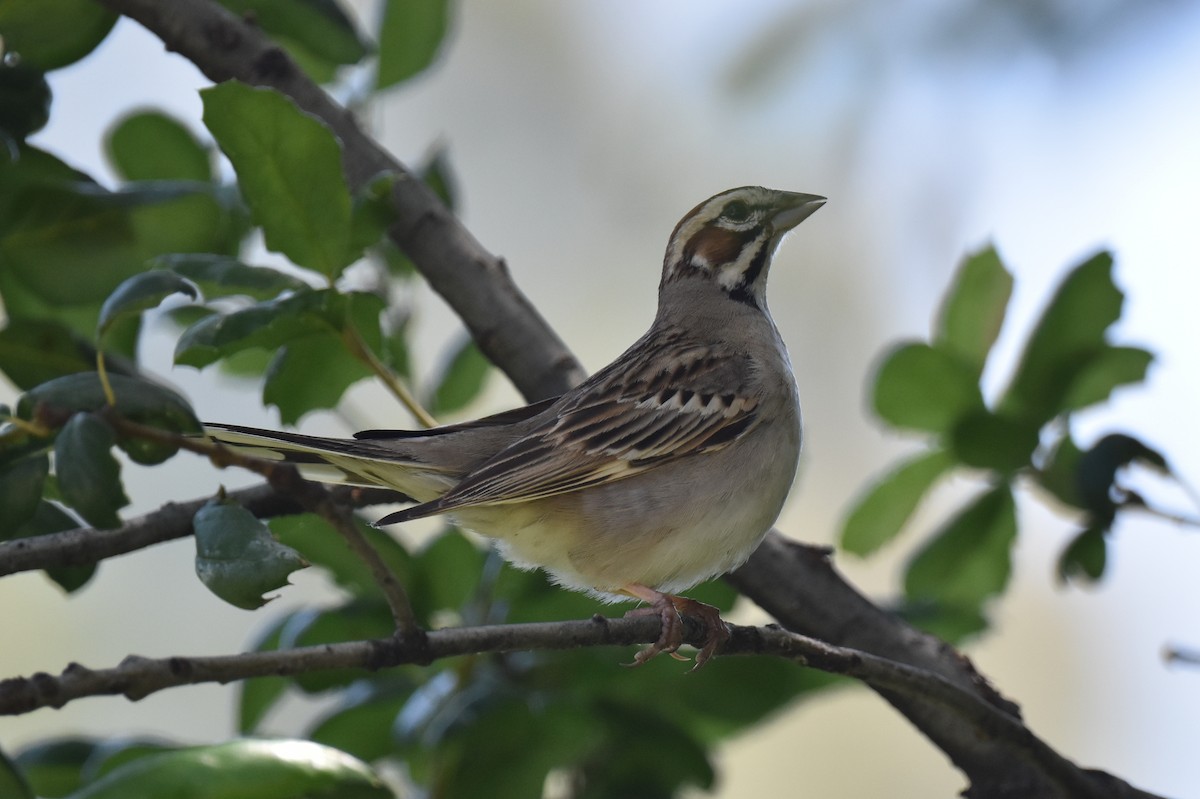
column 581, row 132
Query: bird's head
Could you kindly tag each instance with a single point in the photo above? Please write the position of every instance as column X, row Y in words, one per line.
column 729, row 239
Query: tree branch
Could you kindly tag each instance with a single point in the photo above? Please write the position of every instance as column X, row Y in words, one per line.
column 516, row 338
column 87, row 545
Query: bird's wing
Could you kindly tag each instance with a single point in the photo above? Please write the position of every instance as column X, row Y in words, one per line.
column 618, row 424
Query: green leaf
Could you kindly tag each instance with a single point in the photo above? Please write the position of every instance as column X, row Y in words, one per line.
column 20, row 491
column 265, row 325
column 973, row 311
column 257, row 695
column 138, row 400
column 511, row 746
column 89, row 477
column 1085, row 557
column 289, row 167
column 374, row 210
column 49, row 518
column 226, row 276
column 66, row 243
column 24, row 100
column 316, row 33
column 410, row 36
column 970, row 558
column 1059, row 474
column 361, row 724
column 952, row 623
column 461, row 378
column 276, row 769
column 236, row 557
column 357, row 620
column 33, row 352
column 139, row 293
column 882, row 512
column 308, row 373
column 50, row 34
column 1107, row 369
column 1097, row 471
column 986, row 440
column 12, row 781
column 149, row 145
column 1068, row 336
column 53, row 767
column 920, row 387
column 320, row 545
column 437, row 175
column 446, row 574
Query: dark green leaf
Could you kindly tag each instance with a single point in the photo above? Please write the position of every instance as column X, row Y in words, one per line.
column 49, row 518
column 356, row 620
column 1084, row 558
column 883, row 511
column 276, row 769
column 53, row 767
column 226, row 276
column 257, row 695
column 973, row 311
column 1067, row 337
column 12, row 781
column 985, row 440
column 1097, row 470
column 970, row 558
column 289, row 167
column 138, row 400
column 644, row 754
column 24, row 100
column 309, row 373
column 21, row 491
column 33, row 352
column 920, row 387
column 53, row 33
column 446, row 574
column 461, row 379
column 270, row 325
column 142, row 292
column 362, row 724
column 374, row 210
column 510, row 747
column 321, row 546
column 317, row 33
column 410, row 36
column 68, row 243
column 1060, row 474
column 1107, row 369
column 438, row 175
column 89, row 477
column 112, row 753
column 236, row 557
column 149, row 145
column 951, row 623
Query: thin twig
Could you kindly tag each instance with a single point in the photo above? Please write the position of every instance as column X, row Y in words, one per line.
column 358, row 347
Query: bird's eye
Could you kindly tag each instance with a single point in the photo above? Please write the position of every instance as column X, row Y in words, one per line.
column 736, row 211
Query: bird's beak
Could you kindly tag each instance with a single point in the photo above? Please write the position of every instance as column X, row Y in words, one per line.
column 793, row 209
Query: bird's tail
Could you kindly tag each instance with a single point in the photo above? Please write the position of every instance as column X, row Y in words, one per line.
column 331, row 460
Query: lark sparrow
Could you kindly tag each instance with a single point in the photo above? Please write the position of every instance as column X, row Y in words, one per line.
column 664, row 469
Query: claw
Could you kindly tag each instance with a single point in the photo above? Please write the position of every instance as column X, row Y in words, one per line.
column 668, row 609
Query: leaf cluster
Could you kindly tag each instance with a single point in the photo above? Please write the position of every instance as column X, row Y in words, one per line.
column 935, row 388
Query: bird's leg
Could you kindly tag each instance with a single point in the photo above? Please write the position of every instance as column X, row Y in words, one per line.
column 668, row 608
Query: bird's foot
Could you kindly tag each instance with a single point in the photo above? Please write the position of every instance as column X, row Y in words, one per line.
column 668, row 609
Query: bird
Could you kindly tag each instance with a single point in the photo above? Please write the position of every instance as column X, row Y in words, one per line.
column 662, row 470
